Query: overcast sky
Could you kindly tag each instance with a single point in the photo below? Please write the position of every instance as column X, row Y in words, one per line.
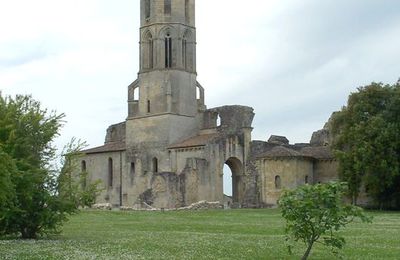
column 294, row 62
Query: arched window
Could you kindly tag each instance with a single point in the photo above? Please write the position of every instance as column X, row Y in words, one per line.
column 168, row 51
column 219, row 121
column 148, row 51
column 187, row 50
column 278, row 183
column 167, row 7
column 155, row 164
column 306, row 179
column 110, row 172
column 147, row 9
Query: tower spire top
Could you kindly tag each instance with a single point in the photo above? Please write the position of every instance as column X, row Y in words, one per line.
column 168, row 11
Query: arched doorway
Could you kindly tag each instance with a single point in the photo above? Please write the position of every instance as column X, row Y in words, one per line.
column 233, row 170
column 227, row 186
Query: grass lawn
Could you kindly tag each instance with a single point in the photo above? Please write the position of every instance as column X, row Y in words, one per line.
column 233, row 234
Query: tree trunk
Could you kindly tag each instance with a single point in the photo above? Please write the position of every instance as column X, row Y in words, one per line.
column 27, row 233
column 307, row 253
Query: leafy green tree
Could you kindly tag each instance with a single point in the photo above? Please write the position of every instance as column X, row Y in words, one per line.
column 7, row 189
column 315, row 214
column 367, row 143
column 30, row 205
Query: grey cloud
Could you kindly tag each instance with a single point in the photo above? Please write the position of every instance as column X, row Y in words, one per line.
column 22, row 58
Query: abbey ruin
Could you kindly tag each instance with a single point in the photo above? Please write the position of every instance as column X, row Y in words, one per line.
column 171, row 149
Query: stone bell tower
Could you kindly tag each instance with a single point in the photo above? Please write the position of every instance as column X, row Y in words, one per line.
column 164, row 102
column 167, row 76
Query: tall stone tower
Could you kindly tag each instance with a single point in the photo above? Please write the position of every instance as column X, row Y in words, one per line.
column 163, row 102
column 167, row 76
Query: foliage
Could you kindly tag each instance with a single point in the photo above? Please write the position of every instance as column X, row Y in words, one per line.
column 73, row 184
column 30, row 205
column 7, row 189
column 367, row 143
column 315, row 214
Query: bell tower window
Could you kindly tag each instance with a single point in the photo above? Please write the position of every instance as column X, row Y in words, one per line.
column 147, row 9
column 148, row 51
column 167, row 7
column 187, row 11
column 168, row 51
column 151, row 49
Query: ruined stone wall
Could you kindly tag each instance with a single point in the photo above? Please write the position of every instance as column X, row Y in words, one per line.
column 325, row 171
column 160, row 131
column 116, row 133
column 292, row 173
column 98, row 169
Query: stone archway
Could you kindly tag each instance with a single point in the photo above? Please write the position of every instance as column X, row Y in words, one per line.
column 236, row 167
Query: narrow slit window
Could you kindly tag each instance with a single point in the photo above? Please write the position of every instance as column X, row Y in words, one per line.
column 148, row 106
column 84, row 175
column 278, row 183
column 184, row 53
column 83, row 166
column 155, row 165
column 168, row 51
column 151, row 51
column 167, row 7
column 110, row 172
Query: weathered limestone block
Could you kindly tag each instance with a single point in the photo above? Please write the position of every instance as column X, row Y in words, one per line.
column 320, row 138
column 276, row 139
column 103, row 206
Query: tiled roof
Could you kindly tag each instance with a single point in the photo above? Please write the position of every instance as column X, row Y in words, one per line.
column 108, row 147
column 318, row 152
column 199, row 140
column 280, row 151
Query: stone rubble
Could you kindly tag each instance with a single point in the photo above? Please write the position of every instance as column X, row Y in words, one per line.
column 201, row 205
column 103, row 206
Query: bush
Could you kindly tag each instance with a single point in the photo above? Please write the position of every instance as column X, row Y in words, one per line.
column 316, row 213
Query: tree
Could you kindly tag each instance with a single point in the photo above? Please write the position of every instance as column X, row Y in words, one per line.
column 30, row 205
column 315, row 214
column 367, row 143
column 73, row 184
column 7, row 190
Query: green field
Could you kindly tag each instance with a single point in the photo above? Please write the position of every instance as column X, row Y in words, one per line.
column 233, row 234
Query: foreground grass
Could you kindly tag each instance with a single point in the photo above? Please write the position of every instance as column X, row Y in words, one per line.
column 234, row 234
